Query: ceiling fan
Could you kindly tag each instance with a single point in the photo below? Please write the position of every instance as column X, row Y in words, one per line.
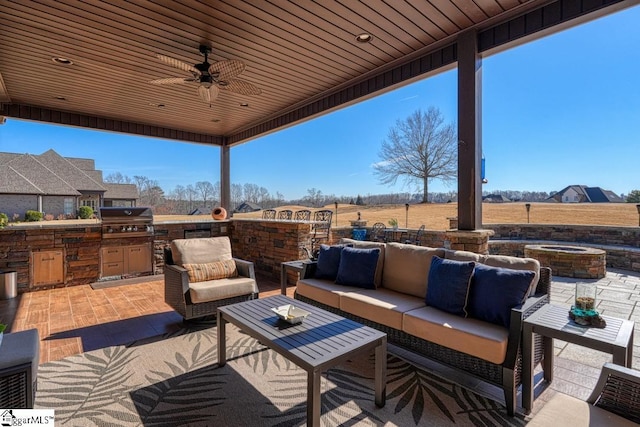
column 210, row 78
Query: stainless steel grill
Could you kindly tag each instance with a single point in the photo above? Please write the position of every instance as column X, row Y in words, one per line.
column 118, row 222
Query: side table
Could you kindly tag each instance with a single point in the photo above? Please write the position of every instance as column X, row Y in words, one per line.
column 296, row 266
column 19, row 358
column 553, row 322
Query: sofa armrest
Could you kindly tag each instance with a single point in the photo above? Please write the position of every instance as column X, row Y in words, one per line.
column 308, row 269
column 544, row 282
column 245, row 268
column 518, row 315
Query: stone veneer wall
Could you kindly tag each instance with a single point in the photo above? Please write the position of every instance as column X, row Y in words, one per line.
column 599, row 235
column 622, row 244
column 473, row 241
column 269, row 243
column 80, row 246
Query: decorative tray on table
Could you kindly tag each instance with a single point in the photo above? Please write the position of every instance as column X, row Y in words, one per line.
column 290, row 314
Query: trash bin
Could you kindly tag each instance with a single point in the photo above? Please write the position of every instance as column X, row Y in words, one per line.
column 8, row 284
column 359, row 233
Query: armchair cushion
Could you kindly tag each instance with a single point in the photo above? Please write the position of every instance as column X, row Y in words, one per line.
column 201, row 251
column 211, row 270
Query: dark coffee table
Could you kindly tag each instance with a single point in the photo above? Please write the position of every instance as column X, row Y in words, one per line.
column 322, row 341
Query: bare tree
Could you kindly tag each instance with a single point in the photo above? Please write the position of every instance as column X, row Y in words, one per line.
column 419, row 148
column 205, row 189
column 191, row 193
column 236, row 195
column 118, row 178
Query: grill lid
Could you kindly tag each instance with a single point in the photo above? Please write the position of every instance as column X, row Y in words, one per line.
column 118, row 214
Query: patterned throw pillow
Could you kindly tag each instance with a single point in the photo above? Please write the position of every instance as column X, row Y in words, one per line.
column 211, row 270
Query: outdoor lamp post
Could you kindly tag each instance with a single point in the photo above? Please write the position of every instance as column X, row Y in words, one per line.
column 336, row 203
column 406, row 215
column 638, row 208
column 528, row 206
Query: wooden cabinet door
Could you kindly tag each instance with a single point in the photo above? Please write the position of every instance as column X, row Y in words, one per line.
column 138, row 259
column 47, row 267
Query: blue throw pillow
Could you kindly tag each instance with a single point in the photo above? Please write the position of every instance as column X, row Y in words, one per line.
column 448, row 285
column 495, row 291
column 358, row 267
column 328, row 262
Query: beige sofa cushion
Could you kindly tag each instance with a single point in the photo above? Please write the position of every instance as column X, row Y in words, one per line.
column 475, row 337
column 564, row 410
column 406, row 268
column 463, row 256
column 201, row 251
column 379, row 305
column 516, row 264
column 214, row 290
column 323, row 291
column 377, row 280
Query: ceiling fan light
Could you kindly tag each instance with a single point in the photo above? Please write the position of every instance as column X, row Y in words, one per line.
column 208, row 94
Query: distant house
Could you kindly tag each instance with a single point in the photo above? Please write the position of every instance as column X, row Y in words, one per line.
column 53, row 184
column 584, row 194
column 495, row 198
column 245, row 207
column 122, row 195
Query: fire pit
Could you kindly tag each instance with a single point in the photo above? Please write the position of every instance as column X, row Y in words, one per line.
column 570, row 261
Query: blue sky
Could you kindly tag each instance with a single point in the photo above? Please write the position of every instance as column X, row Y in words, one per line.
column 562, row 110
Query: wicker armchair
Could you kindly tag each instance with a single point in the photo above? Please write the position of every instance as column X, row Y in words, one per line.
column 19, row 359
column 615, row 401
column 200, row 299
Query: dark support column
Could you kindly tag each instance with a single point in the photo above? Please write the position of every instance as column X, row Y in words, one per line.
column 225, row 178
column 469, row 132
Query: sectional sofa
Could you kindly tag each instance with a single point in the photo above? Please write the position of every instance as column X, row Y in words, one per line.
column 427, row 300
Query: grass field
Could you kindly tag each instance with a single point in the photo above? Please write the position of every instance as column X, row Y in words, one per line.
column 435, row 216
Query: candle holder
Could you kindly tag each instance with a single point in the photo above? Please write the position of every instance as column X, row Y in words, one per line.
column 583, row 311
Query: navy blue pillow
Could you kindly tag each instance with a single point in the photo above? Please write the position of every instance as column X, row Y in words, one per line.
column 358, row 267
column 328, row 262
column 448, row 285
column 495, row 291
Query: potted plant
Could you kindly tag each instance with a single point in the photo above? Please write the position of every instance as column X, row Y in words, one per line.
column 393, row 222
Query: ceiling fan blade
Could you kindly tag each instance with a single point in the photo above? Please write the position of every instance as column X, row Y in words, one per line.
column 226, row 69
column 172, row 80
column 178, row 64
column 208, row 95
column 240, row 86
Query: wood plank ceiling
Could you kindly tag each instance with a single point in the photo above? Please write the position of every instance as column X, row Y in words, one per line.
column 296, row 52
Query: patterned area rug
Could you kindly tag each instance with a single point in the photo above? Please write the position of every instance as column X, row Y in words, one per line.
column 174, row 380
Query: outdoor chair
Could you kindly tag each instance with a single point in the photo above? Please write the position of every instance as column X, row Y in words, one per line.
column 302, row 215
column 377, row 232
column 415, row 239
column 269, row 214
column 615, row 401
column 321, row 227
column 285, row 214
column 200, row 275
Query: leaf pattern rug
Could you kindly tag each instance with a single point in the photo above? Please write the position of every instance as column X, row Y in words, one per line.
column 174, row 380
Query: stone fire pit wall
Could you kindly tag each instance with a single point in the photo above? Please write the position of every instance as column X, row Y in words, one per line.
column 570, row 261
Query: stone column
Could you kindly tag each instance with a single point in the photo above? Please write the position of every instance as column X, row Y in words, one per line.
column 468, row 240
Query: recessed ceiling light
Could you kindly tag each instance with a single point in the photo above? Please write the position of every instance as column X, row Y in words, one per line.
column 244, row 104
column 364, row 38
column 60, row 98
column 62, row 61
column 215, row 120
column 153, row 104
